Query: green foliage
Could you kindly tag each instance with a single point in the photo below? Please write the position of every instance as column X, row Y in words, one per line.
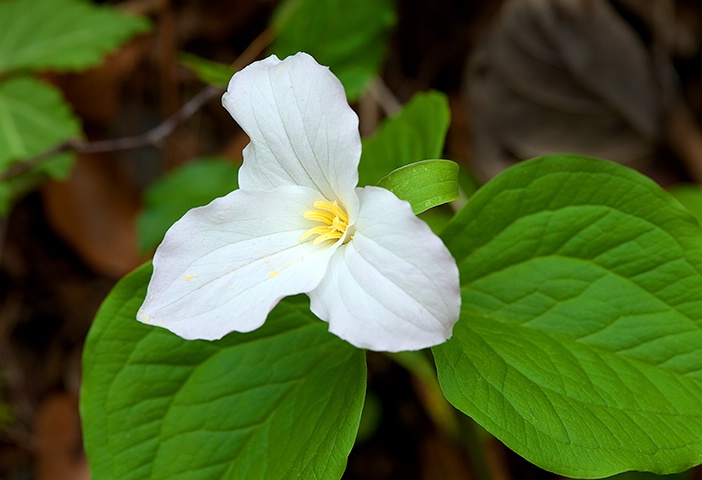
column 648, row 476
column 40, row 35
column 60, row 34
column 33, row 118
column 580, row 341
column 282, row 402
column 691, row 198
column 417, row 132
column 194, row 184
column 349, row 37
column 56, row 167
column 424, row 184
column 211, row 72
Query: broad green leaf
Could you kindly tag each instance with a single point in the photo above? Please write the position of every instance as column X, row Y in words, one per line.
column 33, row 118
column 350, row 37
column 417, row 132
column 281, row 402
column 580, row 340
column 195, row 184
column 424, row 184
column 691, row 198
column 214, row 73
column 60, row 34
column 649, row 476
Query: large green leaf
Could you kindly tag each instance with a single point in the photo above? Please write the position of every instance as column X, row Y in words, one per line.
column 690, row 196
column 580, row 341
column 282, row 402
column 417, row 132
column 349, row 37
column 192, row 185
column 60, row 34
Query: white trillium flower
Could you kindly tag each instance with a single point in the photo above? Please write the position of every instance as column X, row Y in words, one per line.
column 299, row 224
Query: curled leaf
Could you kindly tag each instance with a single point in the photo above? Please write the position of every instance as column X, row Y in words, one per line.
column 562, row 75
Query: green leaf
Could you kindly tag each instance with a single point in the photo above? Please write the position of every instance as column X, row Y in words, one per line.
column 195, row 184
column 33, row 119
column 691, row 198
column 580, row 340
column 417, row 132
column 350, row 37
column 281, row 402
column 648, row 476
column 211, row 72
column 424, row 184
column 56, row 167
column 60, row 34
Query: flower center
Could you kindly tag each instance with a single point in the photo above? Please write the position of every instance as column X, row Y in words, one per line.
column 334, row 220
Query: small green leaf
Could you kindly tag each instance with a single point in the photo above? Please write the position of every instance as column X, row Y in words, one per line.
column 56, row 167
column 195, row 184
column 416, row 132
column 281, row 402
column 211, row 72
column 424, row 184
column 349, row 37
column 580, row 340
column 60, row 34
column 33, row 118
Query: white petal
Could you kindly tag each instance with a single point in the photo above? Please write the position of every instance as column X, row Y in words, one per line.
column 395, row 286
column 302, row 130
column 223, row 267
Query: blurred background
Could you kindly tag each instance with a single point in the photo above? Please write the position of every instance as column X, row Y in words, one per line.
column 617, row 79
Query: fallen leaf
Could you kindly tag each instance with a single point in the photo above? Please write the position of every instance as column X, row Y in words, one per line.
column 562, row 75
column 95, row 211
column 58, row 441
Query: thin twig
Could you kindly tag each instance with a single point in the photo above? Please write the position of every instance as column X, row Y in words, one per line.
column 148, row 138
column 382, row 94
column 153, row 136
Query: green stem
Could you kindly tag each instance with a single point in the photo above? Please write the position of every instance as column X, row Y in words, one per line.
column 475, row 448
column 445, row 417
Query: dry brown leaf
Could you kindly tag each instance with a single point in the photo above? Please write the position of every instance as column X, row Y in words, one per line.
column 562, row 75
column 441, row 458
column 59, row 451
column 95, row 212
column 96, row 94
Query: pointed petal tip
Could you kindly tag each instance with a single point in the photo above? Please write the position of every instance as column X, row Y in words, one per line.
column 302, row 129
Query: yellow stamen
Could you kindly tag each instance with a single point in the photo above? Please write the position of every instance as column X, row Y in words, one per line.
column 332, row 216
